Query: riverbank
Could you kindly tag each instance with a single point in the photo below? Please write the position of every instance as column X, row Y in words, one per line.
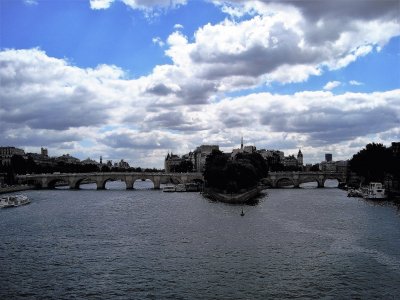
column 15, row 188
column 237, row 198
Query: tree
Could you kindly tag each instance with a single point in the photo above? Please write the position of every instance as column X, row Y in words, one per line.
column 243, row 172
column 372, row 162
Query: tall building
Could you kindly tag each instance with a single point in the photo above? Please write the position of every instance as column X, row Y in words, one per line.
column 44, row 152
column 300, row 158
column 328, row 157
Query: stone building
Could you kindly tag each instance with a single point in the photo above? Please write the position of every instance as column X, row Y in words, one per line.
column 300, row 158
column 200, row 156
column 171, row 161
column 7, row 152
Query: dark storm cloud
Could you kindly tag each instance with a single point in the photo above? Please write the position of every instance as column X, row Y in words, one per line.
column 130, row 140
column 332, row 125
column 342, row 9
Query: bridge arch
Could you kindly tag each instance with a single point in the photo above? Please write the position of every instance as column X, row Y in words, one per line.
column 102, row 185
column 75, row 184
column 143, row 184
column 280, row 180
column 329, row 180
column 54, row 181
column 311, row 179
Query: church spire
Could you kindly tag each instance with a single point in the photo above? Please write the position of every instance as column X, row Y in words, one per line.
column 241, row 143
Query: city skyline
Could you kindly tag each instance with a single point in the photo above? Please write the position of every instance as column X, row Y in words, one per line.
column 132, row 80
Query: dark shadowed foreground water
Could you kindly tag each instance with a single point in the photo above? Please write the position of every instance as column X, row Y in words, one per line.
column 146, row 244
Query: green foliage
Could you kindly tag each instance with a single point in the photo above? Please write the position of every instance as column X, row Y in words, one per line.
column 374, row 162
column 233, row 175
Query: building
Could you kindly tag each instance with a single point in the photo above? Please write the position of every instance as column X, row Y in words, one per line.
column 290, row 161
column 300, row 158
column 243, row 149
column 123, row 164
column 342, row 166
column 171, row 162
column 200, row 156
column 7, row 152
column 44, row 152
column 328, row 157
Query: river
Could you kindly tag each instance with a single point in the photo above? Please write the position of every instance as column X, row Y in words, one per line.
column 146, row 244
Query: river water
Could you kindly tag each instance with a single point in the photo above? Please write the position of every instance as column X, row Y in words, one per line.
column 146, row 244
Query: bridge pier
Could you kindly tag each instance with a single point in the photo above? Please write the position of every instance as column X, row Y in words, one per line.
column 156, row 182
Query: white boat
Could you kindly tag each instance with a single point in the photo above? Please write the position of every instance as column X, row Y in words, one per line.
column 169, row 188
column 180, row 188
column 13, row 201
column 374, row 190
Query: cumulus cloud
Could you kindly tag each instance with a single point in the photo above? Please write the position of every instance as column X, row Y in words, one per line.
column 282, row 42
column 49, row 101
column 331, row 85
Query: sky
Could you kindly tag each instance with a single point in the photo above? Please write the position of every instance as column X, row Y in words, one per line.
column 136, row 79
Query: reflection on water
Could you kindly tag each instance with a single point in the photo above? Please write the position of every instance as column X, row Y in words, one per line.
column 310, row 243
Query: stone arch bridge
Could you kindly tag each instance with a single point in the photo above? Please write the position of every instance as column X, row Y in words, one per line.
column 48, row 181
column 74, row 180
column 296, row 178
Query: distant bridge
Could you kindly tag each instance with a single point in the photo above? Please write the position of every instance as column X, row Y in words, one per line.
column 74, row 180
column 275, row 179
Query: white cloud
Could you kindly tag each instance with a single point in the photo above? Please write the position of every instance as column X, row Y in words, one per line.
column 355, row 82
column 49, row 101
column 144, row 5
column 158, row 41
column 178, row 26
column 331, row 85
column 100, row 4
column 97, row 111
column 31, row 2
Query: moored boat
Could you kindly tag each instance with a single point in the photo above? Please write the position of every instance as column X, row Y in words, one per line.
column 355, row 193
column 169, row 188
column 374, row 190
column 180, row 188
column 13, row 201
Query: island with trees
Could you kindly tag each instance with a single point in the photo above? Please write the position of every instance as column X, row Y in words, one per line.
column 234, row 180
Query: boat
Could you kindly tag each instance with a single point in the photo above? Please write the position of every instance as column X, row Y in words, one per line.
column 355, row 193
column 13, row 201
column 169, row 188
column 192, row 187
column 180, row 188
column 374, row 190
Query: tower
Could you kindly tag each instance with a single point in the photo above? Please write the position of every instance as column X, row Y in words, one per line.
column 101, row 160
column 300, row 158
column 241, row 143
